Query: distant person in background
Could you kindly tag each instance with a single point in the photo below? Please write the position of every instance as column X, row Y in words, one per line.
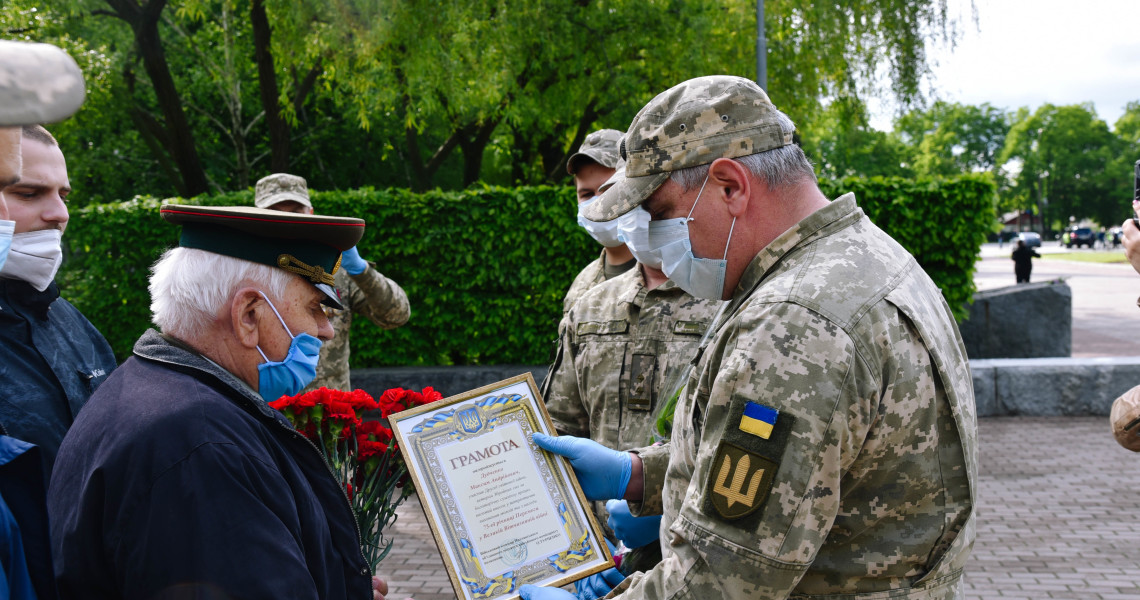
column 1023, row 261
column 51, row 357
column 595, row 162
column 363, row 290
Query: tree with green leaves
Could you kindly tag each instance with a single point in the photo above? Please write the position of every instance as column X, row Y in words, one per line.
column 212, row 93
column 950, row 138
column 842, row 143
column 1066, row 163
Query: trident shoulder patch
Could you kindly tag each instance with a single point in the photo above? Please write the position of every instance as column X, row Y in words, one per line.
column 744, row 467
column 739, row 481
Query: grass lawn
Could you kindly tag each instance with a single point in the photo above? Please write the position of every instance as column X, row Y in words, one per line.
column 1106, row 256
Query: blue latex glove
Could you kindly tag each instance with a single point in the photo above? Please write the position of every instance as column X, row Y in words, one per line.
column 634, row 532
column 351, row 261
column 534, row 592
column 603, row 473
column 599, row 584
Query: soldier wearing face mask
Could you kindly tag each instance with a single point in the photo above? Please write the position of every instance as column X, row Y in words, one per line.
column 623, row 346
column 593, row 164
column 53, row 358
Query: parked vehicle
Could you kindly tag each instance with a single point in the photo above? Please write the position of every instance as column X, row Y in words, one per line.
column 1032, row 239
column 1081, row 236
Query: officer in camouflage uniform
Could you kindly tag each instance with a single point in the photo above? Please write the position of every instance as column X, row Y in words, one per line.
column 623, row 343
column 363, row 290
column 825, row 445
column 593, row 164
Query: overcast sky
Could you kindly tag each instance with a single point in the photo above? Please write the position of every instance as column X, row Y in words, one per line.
column 1032, row 52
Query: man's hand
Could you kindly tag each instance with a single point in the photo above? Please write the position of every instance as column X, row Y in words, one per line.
column 534, row 592
column 351, row 261
column 603, row 473
column 1132, row 240
column 634, row 532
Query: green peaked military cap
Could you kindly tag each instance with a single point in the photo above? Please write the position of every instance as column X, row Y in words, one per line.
column 306, row 245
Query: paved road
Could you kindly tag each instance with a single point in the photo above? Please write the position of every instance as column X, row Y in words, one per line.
column 1058, row 517
column 1106, row 320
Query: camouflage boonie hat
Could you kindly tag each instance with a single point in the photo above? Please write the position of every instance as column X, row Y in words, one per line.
column 39, row 84
column 1125, row 419
column 600, row 147
column 688, row 125
column 281, row 187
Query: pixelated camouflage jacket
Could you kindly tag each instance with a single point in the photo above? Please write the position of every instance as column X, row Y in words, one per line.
column 370, row 295
column 864, row 485
column 621, row 344
column 592, row 274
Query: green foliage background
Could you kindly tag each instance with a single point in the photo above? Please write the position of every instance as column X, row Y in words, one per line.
column 485, row 269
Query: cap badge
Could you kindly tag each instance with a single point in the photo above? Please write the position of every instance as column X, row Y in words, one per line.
column 314, row 273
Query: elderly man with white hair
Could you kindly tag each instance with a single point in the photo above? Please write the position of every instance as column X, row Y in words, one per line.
column 178, row 479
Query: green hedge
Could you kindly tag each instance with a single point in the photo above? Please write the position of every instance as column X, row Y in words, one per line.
column 485, row 269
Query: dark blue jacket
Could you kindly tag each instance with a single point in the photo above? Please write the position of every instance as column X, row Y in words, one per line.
column 178, row 480
column 51, row 359
column 25, row 553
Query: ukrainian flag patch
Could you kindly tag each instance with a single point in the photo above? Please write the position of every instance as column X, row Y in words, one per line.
column 758, row 420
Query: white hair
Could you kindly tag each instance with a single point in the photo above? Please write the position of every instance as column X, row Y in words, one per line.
column 189, row 286
column 777, row 168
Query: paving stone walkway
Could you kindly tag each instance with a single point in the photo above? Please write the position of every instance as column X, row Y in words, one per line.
column 1058, row 508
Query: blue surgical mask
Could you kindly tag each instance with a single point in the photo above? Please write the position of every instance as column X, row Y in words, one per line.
column 668, row 242
column 298, row 369
column 605, row 233
column 7, row 230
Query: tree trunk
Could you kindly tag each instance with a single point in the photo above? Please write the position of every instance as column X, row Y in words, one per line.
column 473, row 148
column 279, row 130
column 143, row 20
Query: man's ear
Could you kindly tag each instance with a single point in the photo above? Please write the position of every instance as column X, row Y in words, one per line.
column 245, row 316
column 732, row 183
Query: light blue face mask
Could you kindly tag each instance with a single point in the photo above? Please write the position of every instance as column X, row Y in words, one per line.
column 605, row 233
column 668, row 242
column 7, row 230
column 298, row 369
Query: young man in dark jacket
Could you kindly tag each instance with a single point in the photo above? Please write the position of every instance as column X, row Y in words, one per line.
column 178, row 480
column 53, row 358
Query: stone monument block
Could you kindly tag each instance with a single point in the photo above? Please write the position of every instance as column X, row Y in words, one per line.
column 1028, row 320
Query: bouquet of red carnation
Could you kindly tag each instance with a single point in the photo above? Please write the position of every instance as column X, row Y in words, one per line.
column 362, row 454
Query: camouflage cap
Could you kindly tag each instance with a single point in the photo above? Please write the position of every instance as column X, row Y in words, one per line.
column 1125, row 419
column 601, row 147
column 281, row 187
column 618, row 175
column 309, row 246
column 39, row 83
column 688, row 125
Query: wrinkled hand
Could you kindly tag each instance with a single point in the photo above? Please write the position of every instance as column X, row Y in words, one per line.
column 603, row 473
column 534, row 592
column 1132, row 241
column 634, row 532
column 351, row 261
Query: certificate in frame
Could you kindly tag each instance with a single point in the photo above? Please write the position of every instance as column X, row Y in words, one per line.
column 503, row 511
